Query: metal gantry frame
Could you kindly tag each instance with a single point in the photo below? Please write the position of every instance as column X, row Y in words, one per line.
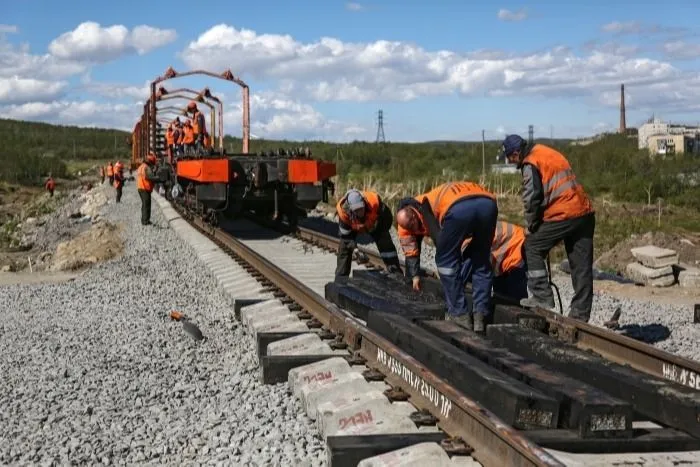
column 150, row 109
column 203, row 96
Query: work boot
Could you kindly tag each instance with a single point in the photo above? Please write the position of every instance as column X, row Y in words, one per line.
column 466, row 320
column 479, row 322
column 532, row 302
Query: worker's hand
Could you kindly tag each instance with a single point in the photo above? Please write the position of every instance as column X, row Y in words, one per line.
column 416, row 284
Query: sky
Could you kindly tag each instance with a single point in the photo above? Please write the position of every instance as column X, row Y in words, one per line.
column 321, row 69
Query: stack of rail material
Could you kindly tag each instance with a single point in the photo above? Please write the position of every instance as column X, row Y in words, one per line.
column 373, row 290
column 654, row 266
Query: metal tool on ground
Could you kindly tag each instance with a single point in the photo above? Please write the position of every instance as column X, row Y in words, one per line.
column 189, row 327
column 614, row 321
column 553, row 285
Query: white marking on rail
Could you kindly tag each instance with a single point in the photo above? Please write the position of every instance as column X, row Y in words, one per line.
column 681, row 375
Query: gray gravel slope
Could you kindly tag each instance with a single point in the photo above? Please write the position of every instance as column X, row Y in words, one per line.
column 93, row 372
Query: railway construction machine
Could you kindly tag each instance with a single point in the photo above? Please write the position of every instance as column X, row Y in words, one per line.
column 217, row 185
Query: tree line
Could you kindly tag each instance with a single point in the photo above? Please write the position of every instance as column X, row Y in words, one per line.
column 610, row 166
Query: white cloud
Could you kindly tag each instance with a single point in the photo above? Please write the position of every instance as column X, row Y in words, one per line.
column 18, row 61
column 90, row 42
column 508, row 15
column 680, row 50
column 330, row 69
column 353, row 6
column 81, row 113
column 636, row 27
column 8, row 29
column 16, row 90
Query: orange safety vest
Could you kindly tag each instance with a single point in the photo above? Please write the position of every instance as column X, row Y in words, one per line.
column 198, row 123
column 441, row 198
column 373, row 205
column 110, row 171
column 142, row 183
column 50, row 184
column 170, row 137
column 189, row 135
column 564, row 197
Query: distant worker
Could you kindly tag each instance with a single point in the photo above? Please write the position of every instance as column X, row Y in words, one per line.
column 364, row 212
column 110, row 173
column 178, row 136
column 199, row 127
column 188, row 138
column 507, row 258
column 50, row 185
column 450, row 213
column 170, row 142
column 119, row 179
column 102, row 175
column 145, row 181
column 556, row 209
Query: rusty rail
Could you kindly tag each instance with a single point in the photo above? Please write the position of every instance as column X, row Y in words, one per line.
column 494, row 442
column 608, row 344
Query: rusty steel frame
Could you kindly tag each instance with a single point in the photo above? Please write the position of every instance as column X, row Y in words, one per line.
column 227, row 75
column 494, row 442
column 202, row 96
column 610, row 345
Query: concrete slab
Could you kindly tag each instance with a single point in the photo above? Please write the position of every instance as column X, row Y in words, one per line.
column 688, row 276
column 320, row 371
column 646, row 459
column 260, row 322
column 654, row 257
column 271, row 314
column 329, row 413
column 371, row 418
column 294, row 325
column 418, row 455
column 305, row 344
column 662, row 277
column 314, row 393
column 464, row 461
column 255, row 308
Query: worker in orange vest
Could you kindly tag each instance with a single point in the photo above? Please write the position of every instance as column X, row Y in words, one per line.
column 50, row 185
column 119, row 179
column 145, row 181
column 507, row 257
column 450, row 213
column 170, row 142
column 188, row 138
column 110, row 173
column 364, row 212
column 557, row 209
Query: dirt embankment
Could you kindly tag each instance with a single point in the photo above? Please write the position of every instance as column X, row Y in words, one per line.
column 617, row 258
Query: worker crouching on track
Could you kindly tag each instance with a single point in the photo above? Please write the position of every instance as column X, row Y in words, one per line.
column 451, row 213
column 556, row 209
column 364, row 212
column 145, row 181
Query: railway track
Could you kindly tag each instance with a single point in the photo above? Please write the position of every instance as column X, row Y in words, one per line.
column 466, row 427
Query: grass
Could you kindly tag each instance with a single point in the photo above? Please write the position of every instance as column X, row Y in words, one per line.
column 84, row 166
column 615, row 221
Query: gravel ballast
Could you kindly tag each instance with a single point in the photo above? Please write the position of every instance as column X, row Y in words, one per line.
column 643, row 319
column 93, row 370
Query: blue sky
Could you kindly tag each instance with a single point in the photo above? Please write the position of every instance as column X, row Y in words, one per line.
column 439, row 70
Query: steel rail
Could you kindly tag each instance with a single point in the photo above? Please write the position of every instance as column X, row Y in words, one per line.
column 610, row 345
column 494, row 442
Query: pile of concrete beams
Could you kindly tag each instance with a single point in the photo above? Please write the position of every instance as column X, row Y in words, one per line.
column 661, row 267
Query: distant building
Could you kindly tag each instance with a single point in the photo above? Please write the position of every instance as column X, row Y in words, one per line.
column 657, row 135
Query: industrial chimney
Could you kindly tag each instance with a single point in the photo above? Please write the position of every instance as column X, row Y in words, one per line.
column 623, row 126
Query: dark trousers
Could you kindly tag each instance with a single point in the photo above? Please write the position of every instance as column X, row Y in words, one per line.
column 145, row 207
column 512, row 285
column 119, row 193
column 381, row 237
column 476, row 218
column 577, row 235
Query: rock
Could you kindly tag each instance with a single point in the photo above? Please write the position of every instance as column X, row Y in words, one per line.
column 688, row 276
column 655, row 257
column 661, row 277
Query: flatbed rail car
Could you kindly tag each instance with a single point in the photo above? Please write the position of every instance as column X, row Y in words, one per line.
column 281, row 183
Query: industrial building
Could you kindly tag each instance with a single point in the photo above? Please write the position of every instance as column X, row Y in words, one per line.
column 662, row 138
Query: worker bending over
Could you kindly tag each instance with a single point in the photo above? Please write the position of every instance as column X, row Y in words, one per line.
column 556, row 209
column 450, row 213
column 145, row 181
column 364, row 212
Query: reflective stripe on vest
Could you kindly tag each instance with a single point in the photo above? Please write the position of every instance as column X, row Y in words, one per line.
column 564, row 197
column 442, row 197
column 141, row 182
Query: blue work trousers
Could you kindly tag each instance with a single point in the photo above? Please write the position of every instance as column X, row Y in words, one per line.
column 513, row 284
column 474, row 217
